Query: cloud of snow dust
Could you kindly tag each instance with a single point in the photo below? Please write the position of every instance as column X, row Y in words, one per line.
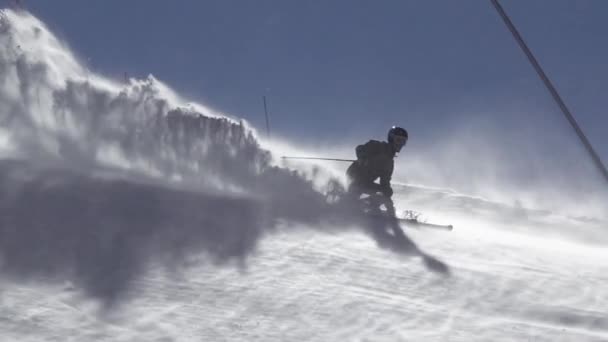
column 526, row 159
column 53, row 109
column 529, row 160
column 525, row 169
column 478, row 177
column 101, row 178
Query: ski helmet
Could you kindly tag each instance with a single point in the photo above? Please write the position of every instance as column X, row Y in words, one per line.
column 397, row 138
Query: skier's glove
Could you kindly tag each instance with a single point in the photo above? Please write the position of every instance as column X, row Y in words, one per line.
column 388, row 192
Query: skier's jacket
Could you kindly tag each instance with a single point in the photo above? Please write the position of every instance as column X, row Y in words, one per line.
column 374, row 160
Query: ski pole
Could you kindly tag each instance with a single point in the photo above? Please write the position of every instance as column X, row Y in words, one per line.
column 315, row 158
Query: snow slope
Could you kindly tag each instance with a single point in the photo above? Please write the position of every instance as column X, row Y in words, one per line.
column 129, row 214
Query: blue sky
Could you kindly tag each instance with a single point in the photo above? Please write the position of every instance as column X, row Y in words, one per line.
column 351, row 68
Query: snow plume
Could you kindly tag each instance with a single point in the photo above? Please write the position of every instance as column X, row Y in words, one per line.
column 53, row 109
column 525, row 157
column 101, row 178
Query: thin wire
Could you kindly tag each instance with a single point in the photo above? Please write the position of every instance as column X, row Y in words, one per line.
column 266, row 115
column 596, row 159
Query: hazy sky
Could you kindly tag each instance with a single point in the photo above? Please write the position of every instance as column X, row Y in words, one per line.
column 350, row 68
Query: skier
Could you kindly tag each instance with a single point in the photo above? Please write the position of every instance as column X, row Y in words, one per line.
column 375, row 160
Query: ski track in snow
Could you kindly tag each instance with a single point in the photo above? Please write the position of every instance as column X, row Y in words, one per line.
column 132, row 244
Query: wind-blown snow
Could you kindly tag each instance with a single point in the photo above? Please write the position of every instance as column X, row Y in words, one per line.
column 53, row 108
column 127, row 213
column 104, row 176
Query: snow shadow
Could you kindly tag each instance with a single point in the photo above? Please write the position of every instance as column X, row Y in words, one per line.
column 389, row 234
column 101, row 234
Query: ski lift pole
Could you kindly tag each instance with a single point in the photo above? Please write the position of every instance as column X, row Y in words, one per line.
column 594, row 156
column 316, row 158
column 266, row 115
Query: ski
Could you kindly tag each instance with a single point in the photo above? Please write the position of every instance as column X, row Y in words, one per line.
column 412, row 222
column 416, row 223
